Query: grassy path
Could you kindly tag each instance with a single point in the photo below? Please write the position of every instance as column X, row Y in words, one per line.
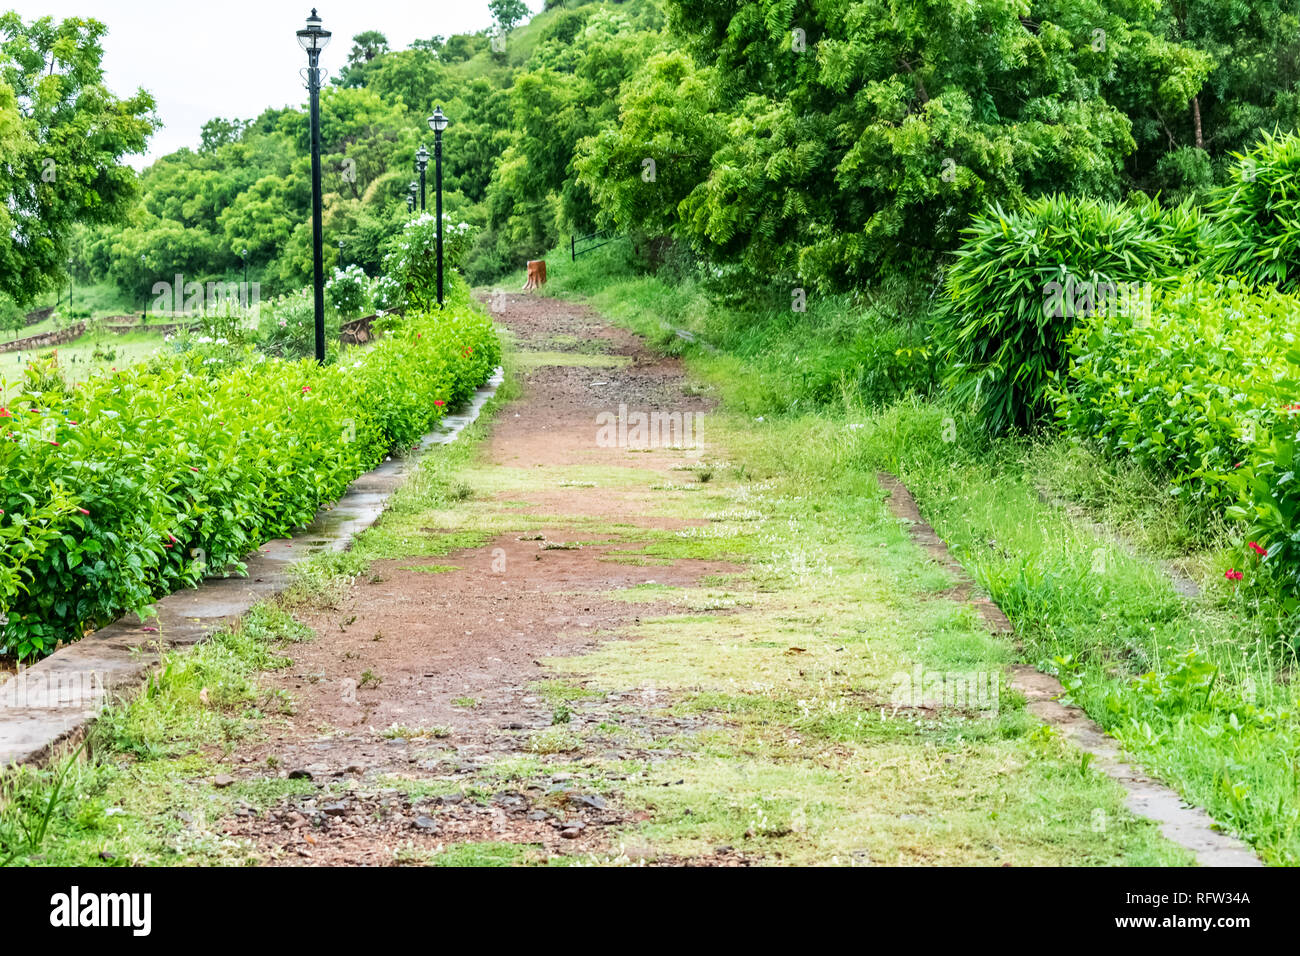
column 560, row 646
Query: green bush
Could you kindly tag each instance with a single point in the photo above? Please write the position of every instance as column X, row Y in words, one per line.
column 135, row 484
column 1021, row 279
column 1206, row 390
column 1259, row 214
column 1192, row 389
column 412, row 261
column 348, row 292
column 287, row 326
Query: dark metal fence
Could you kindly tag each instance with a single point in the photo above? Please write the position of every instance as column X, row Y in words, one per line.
column 574, row 241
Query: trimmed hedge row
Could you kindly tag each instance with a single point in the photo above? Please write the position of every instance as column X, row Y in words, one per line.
column 1207, row 390
column 133, row 485
column 1194, row 388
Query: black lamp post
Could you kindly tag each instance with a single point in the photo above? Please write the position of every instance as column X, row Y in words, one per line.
column 421, row 164
column 244, row 255
column 412, row 195
column 144, row 309
column 438, row 122
column 69, row 288
column 410, row 204
column 314, row 39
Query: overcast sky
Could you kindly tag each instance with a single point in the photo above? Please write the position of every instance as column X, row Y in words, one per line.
column 234, row 58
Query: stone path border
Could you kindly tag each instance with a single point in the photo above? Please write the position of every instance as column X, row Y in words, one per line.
column 1188, row 826
column 54, row 701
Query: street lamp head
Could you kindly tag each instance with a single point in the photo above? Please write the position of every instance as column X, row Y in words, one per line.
column 438, row 122
column 422, row 158
column 414, row 188
column 244, row 254
column 312, row 37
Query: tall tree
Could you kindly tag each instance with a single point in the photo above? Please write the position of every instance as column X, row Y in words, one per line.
column 62, row 138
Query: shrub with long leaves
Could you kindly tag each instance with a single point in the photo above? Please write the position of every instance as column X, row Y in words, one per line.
column 1002, row 339
column 1259, row 214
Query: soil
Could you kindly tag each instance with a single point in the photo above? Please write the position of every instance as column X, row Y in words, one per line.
column 376, row 692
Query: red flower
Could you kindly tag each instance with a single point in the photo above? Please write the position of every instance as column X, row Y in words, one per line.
column 306, row 389
column 1257, row 549
column 4, row 413
column 439, row 403
column 192, row 468
column 1232, row 575
column 83, row 511
column 1238, row 464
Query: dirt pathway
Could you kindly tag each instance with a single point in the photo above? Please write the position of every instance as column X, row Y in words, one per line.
column 434, row 678
column 586, row 643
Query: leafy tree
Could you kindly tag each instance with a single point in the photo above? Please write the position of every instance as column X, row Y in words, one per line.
column 366, row 46
column 864, row 135
column 220, row 132
column 62, row 139
column 508, row 13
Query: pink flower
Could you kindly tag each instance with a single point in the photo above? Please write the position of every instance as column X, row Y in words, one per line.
column 439, row 403
column 1257, row 549
column 306, row 389
column 4, row 413
column 83, row 511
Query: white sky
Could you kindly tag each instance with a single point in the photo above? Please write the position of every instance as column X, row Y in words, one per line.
column 234, row 58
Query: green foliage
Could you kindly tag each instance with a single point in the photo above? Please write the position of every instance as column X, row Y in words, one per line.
column 1191, row 388
column 831, row 144
column 1020, row 279
column 1260, row 214
column 508, row 13
column 287, row 326
column 63, row 137
column 140, row 482
column 412, row 261
column 348, row 292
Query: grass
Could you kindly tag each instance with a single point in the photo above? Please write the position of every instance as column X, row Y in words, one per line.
column 145, row 796
column 92, row 354
column 1075, row 548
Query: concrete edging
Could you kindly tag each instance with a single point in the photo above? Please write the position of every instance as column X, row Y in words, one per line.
column 1180, row 822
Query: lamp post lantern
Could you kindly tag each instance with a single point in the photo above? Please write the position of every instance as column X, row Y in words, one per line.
column 410, row 204
column 413, row 195
column 438, row 122
column 313, row 39
column 421, row 164
column 244, row 255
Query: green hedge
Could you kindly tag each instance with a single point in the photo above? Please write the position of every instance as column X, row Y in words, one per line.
column 1204, row 389
column 131, row 485
column 1193, row 389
